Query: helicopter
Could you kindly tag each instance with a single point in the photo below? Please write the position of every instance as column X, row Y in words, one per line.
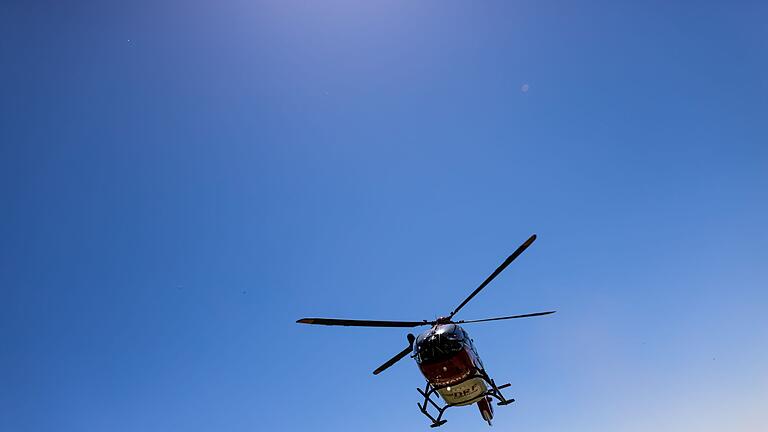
column 446, row 356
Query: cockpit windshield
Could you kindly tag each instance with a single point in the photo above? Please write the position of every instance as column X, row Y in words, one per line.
column 439, row 344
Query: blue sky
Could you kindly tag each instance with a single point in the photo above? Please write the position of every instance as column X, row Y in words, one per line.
column 181, row 181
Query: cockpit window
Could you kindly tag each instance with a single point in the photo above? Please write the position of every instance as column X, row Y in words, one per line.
column 440, row 344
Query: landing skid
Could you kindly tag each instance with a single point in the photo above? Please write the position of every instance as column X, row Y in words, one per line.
column 494, row 391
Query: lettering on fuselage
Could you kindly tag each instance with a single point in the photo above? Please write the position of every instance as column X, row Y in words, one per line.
column 464, row 393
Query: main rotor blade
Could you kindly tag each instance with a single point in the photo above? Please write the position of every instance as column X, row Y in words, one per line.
column 360, row 323
column 506, row 317
column 496, row 272
column 397, row 357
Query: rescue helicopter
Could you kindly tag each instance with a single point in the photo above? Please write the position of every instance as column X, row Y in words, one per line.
column 446, row 356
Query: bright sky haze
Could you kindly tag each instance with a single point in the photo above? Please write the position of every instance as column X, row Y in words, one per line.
column 181, row 181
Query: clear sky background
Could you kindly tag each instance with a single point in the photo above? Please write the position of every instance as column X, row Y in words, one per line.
column 181, row 181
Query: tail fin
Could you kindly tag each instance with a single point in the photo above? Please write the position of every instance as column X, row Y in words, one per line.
column 486, row 409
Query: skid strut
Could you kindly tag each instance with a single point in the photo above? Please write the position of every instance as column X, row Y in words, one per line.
column 494, row 391
column 427, row 392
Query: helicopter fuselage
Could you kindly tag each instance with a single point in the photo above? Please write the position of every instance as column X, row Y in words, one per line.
column 447, row 358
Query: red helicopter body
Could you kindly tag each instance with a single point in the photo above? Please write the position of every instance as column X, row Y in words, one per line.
column 447, row 358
